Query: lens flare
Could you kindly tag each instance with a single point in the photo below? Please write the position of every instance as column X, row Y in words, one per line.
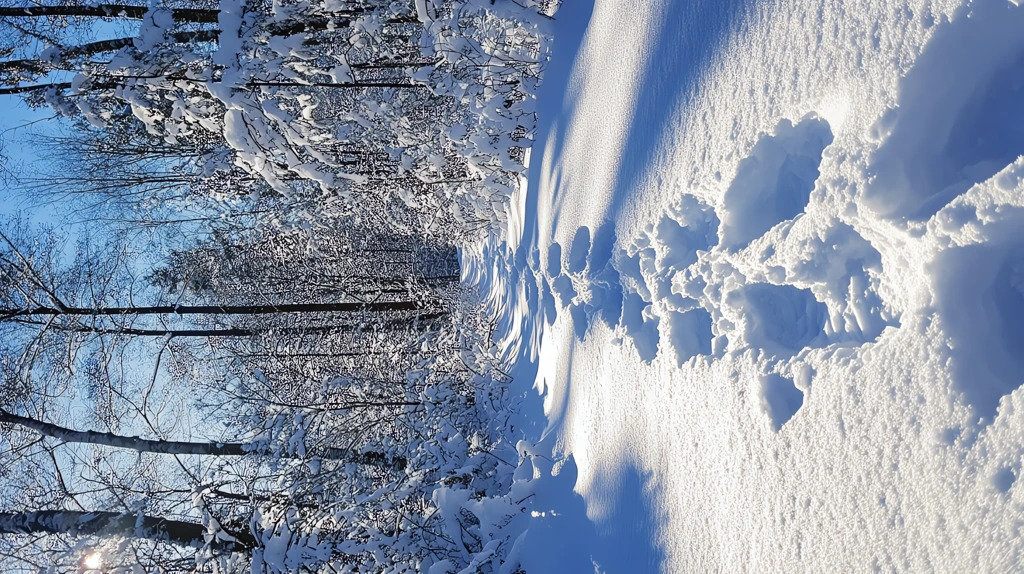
column 94, row 561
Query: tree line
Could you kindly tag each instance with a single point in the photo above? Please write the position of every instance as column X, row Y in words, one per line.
column 253, row 353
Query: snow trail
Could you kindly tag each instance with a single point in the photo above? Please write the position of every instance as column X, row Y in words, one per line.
column 769, row 286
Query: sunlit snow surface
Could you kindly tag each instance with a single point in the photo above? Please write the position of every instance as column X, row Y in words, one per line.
column 768, row 279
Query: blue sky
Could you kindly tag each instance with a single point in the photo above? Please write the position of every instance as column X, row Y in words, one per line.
column 18, row 121
column 16, row 124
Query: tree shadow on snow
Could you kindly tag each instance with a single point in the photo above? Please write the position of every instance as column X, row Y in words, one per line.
column 690, row 35
column 619, row 538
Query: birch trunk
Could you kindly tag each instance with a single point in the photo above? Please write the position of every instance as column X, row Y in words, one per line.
column 177, row 532
column 137, row 444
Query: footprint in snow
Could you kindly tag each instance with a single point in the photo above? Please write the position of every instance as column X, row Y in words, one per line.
column 780, row 399
column 774, row 183
column 579, row 250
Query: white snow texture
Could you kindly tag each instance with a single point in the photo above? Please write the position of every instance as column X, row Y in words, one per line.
column 767, row 279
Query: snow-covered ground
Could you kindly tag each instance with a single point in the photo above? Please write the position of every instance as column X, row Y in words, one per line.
column 767, row 278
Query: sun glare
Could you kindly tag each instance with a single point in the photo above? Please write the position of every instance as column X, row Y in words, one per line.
column 94, row 561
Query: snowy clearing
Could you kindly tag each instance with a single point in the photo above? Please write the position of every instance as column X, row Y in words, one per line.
column 767, row 280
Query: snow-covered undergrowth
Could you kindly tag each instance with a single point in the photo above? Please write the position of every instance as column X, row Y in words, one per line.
column 766, row 277
column 462, row 501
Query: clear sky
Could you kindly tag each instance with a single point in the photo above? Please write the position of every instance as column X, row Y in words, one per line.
column 17, row 122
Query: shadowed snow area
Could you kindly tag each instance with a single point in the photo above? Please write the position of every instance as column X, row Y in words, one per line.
column 958, row 120
column 780, row 319
column 780, row 399
column 980, row 296
column 580, row 251
column 774, row 183
column 690, row 334
column 767, row 300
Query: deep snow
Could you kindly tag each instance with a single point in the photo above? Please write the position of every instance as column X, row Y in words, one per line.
column 767, row 279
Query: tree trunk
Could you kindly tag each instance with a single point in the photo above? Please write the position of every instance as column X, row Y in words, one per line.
column 107, row 11
column 114, row 44
column 114, row 81
column 371, row 84
column 240, row 331
column 179, row 447
column 14, row 90
column 126, row 442
column 320, row 23
column 195, row 15
column 189, row 534
column 268, row 309
column 101, row 46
